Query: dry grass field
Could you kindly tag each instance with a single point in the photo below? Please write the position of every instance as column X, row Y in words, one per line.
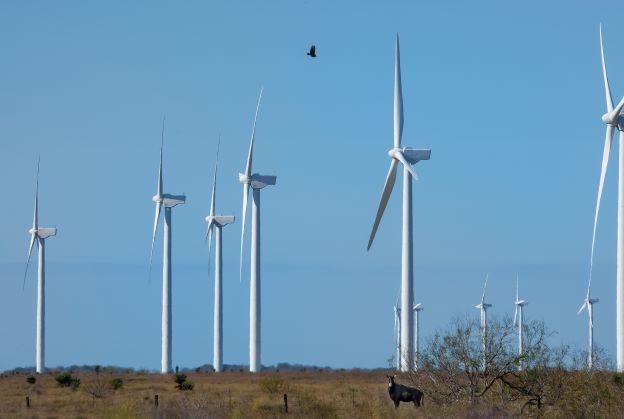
column 311, row 394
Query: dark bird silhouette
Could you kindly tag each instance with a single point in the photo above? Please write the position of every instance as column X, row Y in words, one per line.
column 312, row 52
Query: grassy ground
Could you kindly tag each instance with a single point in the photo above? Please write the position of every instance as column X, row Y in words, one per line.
column 311, row 394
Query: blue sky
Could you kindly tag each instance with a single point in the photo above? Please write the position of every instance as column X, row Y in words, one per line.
column 508, row 95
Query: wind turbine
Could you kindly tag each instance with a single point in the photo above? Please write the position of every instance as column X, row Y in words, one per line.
column 256, row 182
column 397, row 334
column 215, row 223
column 589, row 303
column 613, row 120
column 168, row 201
column 417, row 309
column 407, row 157
column 39, row 234
column 483, row 306
column 519, row 321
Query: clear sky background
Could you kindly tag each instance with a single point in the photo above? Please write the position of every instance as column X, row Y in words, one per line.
column 508, row 95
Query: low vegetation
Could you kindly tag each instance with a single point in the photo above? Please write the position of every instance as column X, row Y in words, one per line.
column 458, row 379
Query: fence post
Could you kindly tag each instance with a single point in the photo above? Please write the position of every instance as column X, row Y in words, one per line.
column 286, row 402
column 27, row 401
column 156, row 400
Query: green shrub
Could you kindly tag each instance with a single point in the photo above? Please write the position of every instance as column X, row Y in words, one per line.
column 65, row 379
column 116, row 383
column 30, row 379
column 618, row 378
column 186, row 385
column 179, row 379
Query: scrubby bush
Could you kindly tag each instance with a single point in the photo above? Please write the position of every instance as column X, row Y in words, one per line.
column 181, row 382
column 65, row 379
column 179, row 379
column 30, row 379
column 186, row 385
column 116, row 383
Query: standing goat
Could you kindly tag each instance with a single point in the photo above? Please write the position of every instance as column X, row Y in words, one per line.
column 400, row 393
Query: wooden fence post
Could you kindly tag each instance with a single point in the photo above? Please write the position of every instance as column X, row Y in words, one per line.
column 156, row 400
column 286, row 402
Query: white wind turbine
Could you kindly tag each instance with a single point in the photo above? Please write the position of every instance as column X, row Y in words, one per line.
column 256, row 182
column 168, row 201
column 397, row 334
column 613, row 120
column 215, row 224
column 589, row 303
column 519, row 321
column 39, row 234
column 417, row 309
column 407, row 157
column 483, row 306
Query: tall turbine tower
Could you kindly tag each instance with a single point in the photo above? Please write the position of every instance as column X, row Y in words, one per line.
column 397, row 334
column 519, row 321
column 215, row 224
column 589, row 303
column 483, row 306
column 168, row 201
column 39, row 234
column 417, row 309
column 256, row 182
column 613, row 120
column 407, row 157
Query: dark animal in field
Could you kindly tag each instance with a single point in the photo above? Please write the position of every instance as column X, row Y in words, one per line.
column 400, row 393
column 312, row 52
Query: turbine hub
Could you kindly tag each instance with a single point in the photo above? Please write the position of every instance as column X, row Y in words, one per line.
column 393, row 152
column 610, row 119
column 157, row 198
column 244, row 179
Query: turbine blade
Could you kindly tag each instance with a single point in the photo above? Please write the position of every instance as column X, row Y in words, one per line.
column 32, row 244
column 408, row 166
column 36, row 213
column 608, row 97
column 398, row 97
column 603, row 171
column 484, row 287
column 159, row 190
column 156, row 218
column 245, row 199
column 515, row 323
column 582, row 307
column 209, row 236
column 214, row 181
column 385, row 196
column 253, row 137
column 517, row 287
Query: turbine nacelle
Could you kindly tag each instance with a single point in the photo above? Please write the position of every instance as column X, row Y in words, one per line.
column 43, row 233
column 220, row 220
column 483, row 306
column 170, row 201
column 418, row 307
column 257, row 181
column 521, row 303
column 411, row 155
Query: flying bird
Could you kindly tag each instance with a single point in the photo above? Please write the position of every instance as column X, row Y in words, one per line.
column 312, row 52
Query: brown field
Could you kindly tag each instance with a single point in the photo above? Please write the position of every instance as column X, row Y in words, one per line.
column 311, row 394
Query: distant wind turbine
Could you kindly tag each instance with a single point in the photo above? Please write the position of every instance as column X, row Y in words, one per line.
column 168, row 201
column 589, row 304
column 483, row 307
column 417, row 309
column 39, row 234
column 215, row 224
column 397, row 334
column 613, row 120
column 256, row 182
column 519, row 321
column 407, row 157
